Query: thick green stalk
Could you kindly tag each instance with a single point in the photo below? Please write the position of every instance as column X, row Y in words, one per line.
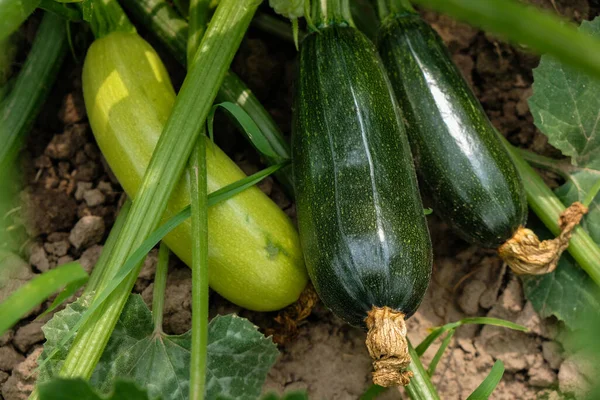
column 160, row 284
column 548, row 208
column 102, row 264
column 193, row 103
column 275, row 26
column 172, row 30
column 32, row 86
column 420, row 386
column 198, row 17
column 524, row 24
column 331, row 12
column 199, row 270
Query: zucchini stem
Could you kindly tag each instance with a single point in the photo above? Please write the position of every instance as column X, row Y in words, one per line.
column 331, row 12
column 388, row 347
column 548, row 207
column 107, row 17
column 199, row 204
column 160, row 284
column 386, row 8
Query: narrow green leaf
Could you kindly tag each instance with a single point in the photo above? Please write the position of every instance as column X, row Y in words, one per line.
column 485, row 388
column 437, row 332
column 138, row 255
column 249, row 128
column 63, row 296
column 34, row 292
column 420, row 386
column 78, row 389
column 524, row 24
column 438, row 355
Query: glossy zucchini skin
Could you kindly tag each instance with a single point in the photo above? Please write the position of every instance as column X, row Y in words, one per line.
column 254, row 253
column 362, row 228
column 460, row 160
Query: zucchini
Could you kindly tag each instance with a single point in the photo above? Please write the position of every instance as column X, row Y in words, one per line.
column 461, row 162
column 254, row 254
column 363, row 231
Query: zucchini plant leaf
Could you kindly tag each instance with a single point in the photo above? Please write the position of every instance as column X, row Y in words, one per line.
column 566, row 108
column 78, row 389
column 239, row 356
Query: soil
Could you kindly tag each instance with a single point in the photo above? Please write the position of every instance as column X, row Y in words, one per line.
column 71, row 198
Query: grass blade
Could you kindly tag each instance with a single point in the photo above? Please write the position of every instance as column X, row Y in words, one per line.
column 438, row 355
column 248, row 127
column 437, row 332
column 420, row 386
column 34, row 292
column 524, row 24
column 485, row 388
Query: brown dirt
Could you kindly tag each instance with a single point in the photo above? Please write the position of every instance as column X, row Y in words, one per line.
column 71, row 198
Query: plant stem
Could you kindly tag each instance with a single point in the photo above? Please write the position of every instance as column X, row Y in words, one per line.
column 548, row 208
column 31, row 88
column 160, row 284
column 524, row 24
column 199, row 203
column 193, row 103
column 331, row 12
column 199, row 270
column 163, row 21
column 556, row 166
column 420, row 386
column 102, row 264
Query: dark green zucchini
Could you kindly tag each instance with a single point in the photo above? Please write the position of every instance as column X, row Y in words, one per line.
column 362, row 228
column 460, row 160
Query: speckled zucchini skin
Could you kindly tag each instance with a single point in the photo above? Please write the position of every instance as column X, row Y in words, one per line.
column 362, row 229
column 460, row 160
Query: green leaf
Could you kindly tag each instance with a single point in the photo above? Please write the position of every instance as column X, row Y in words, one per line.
column 78, row 389
column 249, row 128
column 438, row 355
column 37, row 290
column 239, row 357
column 437, row 332
column 566, row 107
column 485, row 388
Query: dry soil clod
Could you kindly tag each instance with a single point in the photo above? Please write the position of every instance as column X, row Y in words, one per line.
column 525, row 254
column 388, row 347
